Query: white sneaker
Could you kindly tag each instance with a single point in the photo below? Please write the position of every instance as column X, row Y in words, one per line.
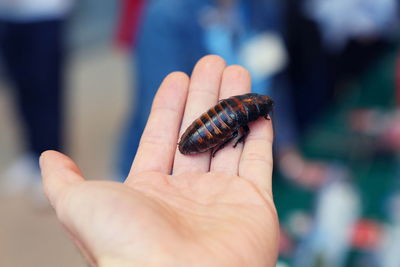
column 20, row 175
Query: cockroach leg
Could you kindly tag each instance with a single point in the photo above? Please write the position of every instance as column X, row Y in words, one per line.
column 221, row 146
column 246, row 131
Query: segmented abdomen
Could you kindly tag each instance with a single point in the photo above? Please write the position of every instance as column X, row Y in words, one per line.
column 214, row 126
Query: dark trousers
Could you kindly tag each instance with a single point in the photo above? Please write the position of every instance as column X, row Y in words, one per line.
column 33, row 58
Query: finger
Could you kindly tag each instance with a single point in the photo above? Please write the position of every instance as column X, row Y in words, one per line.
column 58, row 173
column 256, row 159
column 235, row 81
column 203, row 94
column 158, row 143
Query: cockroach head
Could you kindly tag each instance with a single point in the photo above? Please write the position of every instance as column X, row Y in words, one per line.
column 265, row 104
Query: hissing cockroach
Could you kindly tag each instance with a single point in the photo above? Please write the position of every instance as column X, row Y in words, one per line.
column 221, row 123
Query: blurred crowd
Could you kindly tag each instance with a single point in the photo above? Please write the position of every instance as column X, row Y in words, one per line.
column 332, row 67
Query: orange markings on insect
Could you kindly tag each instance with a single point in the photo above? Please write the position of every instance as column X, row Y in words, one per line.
column 239, row 105
column 233, row 114
column 224, row 111
column 215, row 127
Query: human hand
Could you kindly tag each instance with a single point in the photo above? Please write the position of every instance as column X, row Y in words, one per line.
column 382, row 127
column 176, row 210
column 309, row 174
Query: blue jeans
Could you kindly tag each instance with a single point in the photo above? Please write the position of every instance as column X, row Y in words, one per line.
column 33, row 54
column 169, row 39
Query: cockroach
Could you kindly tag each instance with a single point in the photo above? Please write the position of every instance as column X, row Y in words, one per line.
column 221, row 123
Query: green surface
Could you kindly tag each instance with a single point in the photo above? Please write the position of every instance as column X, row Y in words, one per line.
column 374, row 174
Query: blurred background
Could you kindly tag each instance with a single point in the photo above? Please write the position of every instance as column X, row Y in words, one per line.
column 71, row 72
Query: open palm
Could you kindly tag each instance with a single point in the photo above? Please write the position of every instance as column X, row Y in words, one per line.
column 176, row 210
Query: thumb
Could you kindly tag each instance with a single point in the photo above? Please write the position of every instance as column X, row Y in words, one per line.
column 59, row 173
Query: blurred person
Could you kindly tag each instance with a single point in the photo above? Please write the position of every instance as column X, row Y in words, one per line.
column 32, row 49
column 329, row 43
column 343, row 38
column 333, row 43
column 128, row 24
column 381, row 124
column 343, row 20
column 175, row 209
column 174, row 34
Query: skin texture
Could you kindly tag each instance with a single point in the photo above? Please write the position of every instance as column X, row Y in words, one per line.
column 173, row 209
